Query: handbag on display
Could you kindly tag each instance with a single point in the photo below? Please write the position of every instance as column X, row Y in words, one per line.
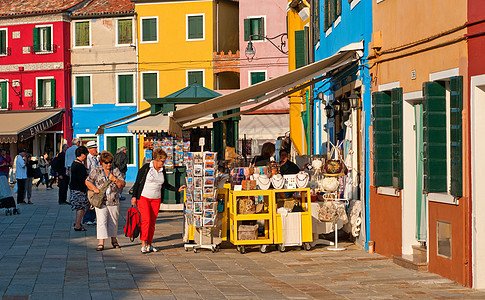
column 328, row 212
column 334, row 166
column 245, row 206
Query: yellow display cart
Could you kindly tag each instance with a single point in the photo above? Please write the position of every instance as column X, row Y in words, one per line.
column 306, row 218
column 237, row 219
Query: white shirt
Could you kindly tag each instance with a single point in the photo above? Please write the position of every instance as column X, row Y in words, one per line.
column 20, row 168
column 70, row 156
column 92, row 162
column 153, row 183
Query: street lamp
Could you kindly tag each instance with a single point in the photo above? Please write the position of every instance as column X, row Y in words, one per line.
column 354, row 100
column 336, row 105
column 328, row 110
column 251, row 51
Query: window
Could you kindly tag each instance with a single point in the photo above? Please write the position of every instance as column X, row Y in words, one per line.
column 150, row 85
column 87, row 138
column 254, row 29
column 149, row 29
column 195, row 77
column 301, row 47
column 442, row 136
column 81, row 34
column 83, row 90
column 43, row 39
column 113, row 143
column 195, row 27
column 332, row 10
column 46, row 92
column 255, row 77
column 125, row 32
column 387, row 123
column 3, row 42
column 3, row 95
column 443, row 232
column 125, row 89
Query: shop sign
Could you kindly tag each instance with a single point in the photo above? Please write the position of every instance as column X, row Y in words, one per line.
column 40, row 127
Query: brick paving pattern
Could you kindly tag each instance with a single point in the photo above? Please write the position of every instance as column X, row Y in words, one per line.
column 42, row 257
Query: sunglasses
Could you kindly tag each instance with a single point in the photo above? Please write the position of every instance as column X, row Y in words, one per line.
column 108, row 162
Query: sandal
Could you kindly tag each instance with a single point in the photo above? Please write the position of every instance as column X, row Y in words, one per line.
column 80, row 229
column 100, row 248
column 115, row 245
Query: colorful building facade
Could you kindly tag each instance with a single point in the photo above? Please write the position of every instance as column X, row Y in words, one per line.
column 35, row 75
column 104, row 75
column 419, row 188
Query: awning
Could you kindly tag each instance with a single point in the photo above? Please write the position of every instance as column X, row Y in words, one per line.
column 20, row 125
column 274, row 125
column 150, row 124
column 272, row 89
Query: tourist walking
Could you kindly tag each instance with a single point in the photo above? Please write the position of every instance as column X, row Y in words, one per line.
column 92, row 163
column 43, row 164
column 5, row 162
column 71, row 155
column 107, row 215
column 79, row 197
column 58, row 164
column 30, row 177
column 21, row 176
column 148, row 191
column 121, row 162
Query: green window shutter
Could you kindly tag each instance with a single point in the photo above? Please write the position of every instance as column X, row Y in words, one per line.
column 257, row 77
column 149, row 85
column 196, row 27
column 83, row 90
column 196, row 77
column 48, row 40
column 36, row 39
column 247, row 29
column 397, row 137
column 111, row 144
column 53, row 92
column 434, row 138
column 79, row 90
column 382, row 126
column 125, row 31
column 338, row 8
column 125, row 88
column 149, row 30
column 40, row 93
column 300, row 48
column 456, row 108
column 129, row 147
column 3, row 94
column 82, row 33
column 326, row 14
column 3, row 42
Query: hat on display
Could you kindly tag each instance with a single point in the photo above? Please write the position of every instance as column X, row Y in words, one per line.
column 91, row 144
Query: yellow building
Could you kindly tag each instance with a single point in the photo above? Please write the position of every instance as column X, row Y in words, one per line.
column 298, row 55
column 178, row 43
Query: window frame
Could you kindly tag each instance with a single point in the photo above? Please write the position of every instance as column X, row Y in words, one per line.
column 264, row 28
column 8, row 96
column 117, row 32
column 156, row 28
column 89, row 34
column 90, row 90
column 6, row 41
column 187, row 16
column 87, row 135
column 194, row 70
column 40, row 37
column 142, row 87
column 257, row 71
column 37, row 79
column 135, row 150
column 118, row 89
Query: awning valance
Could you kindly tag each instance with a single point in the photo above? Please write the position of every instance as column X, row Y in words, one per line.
column 265, row 92
column 152, row 124
column 18, row 126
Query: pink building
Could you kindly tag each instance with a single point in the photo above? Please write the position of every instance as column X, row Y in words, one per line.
column 35, row 75
column 259, row 19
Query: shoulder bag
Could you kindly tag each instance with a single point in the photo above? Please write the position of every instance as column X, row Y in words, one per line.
column 96, row 199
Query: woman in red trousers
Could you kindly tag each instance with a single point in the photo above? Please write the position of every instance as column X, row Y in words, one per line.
column 148, row 191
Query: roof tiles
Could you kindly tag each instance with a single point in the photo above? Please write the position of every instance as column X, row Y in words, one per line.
column 102, row 7
column 33, row 7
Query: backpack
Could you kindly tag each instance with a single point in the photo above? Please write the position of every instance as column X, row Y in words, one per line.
column 133, row 223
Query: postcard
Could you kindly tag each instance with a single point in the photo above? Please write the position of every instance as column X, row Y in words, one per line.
column 209, row 165
column 208, row 222
column 209, row 172
column 208, row 181
column 198, row 170
column 198, row 207
column 209, row 214
column 209, row 190
column 209, row 156
column 209, row 206
column 198, row 182
column 197, row 221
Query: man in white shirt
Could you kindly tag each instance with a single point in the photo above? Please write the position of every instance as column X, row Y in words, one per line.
column 71, row 154
column 92, row 162
column 21, row 176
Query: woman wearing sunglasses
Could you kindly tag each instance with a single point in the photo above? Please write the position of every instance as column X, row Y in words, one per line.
column 107, row 216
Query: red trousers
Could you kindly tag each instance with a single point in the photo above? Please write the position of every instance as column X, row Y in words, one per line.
column 148, row 210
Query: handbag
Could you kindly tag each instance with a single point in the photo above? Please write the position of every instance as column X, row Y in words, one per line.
column 97, row 199
column 328, row 212
column 334, row 166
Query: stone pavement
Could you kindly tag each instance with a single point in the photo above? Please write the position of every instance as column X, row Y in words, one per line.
column 42, row 257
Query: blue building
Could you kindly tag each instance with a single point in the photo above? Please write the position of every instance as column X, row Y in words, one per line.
column 339, row 24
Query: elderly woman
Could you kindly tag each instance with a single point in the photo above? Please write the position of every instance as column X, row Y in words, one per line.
column 107, row 216
column 79, row 197
column 148, row 191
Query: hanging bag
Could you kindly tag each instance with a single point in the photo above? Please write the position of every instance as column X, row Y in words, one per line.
column 133, row 223
column 334, row 166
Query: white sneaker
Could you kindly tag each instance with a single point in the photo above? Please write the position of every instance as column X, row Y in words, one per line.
column 153, row 249
column 145, row 249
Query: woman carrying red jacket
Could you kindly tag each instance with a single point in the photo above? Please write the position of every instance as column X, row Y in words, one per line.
column 148, row 191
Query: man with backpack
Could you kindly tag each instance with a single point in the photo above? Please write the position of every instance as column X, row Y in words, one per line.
column 120, row 161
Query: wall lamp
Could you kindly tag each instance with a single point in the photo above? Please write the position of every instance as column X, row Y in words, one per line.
column 329, row 110
column 354, row 100
column 251, row 51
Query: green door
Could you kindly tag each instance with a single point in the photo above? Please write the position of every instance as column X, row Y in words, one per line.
column 421, row 214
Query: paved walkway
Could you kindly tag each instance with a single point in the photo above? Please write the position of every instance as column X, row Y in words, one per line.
column 42, row 257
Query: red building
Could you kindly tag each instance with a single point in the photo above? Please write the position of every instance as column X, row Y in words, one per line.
column 35, row 110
